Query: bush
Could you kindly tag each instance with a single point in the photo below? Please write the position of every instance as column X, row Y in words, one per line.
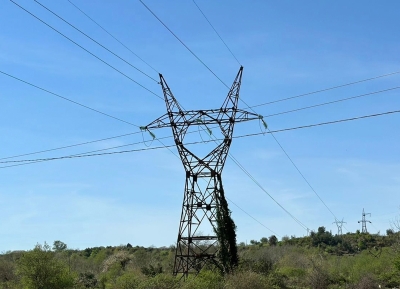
column 367, row 282
column 205, row 279
column 160, row 281
column 39, row 269
column 87, row 280
column 246, row 280
column 128, row 281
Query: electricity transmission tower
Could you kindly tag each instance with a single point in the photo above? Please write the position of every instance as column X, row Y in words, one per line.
column 339, row 225
column 364, row 222
column 206, row 231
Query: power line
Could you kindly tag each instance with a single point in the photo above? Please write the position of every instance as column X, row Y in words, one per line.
column 275, row 101
column 251, row 216
column 327, row 89
column 332, row 102
column 265, row 191
column 130, row 64
column 182, row 43
column 304, row 178
column 67, row 99
column 83, row 155
column 106, row 63
column 121, row 120
column 206, row 141
column 112, row 35
column 338, row 121
column 296, row 167
column 351, row 83
column 116, row 118
column 215, row 32
column 234, row 159
column 251, row 107
column 214, row 139
column 69, row 146
column 38, row 160
column 202, row 62
column 318, row 124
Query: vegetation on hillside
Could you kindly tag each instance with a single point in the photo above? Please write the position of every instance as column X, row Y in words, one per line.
column 320, row 260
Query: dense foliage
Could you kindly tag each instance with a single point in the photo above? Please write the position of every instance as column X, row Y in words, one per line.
column 226, row 233
column 320, row 260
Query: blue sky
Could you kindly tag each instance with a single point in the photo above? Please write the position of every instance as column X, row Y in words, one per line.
column 287, row 48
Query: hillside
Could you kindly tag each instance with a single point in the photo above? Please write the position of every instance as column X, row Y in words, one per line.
column 321, row 260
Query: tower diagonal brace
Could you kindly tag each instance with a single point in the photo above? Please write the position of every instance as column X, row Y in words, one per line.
column 204, row 203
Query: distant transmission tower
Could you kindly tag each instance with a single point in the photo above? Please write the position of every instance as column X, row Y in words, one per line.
column 206, row 230
column 364, row 222
column 339, row 225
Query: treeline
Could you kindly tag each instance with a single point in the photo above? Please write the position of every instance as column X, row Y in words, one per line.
column 320, row 260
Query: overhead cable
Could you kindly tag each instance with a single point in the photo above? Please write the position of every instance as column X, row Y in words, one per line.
column 215, row 32
column 327, row 89
column 205, row 65
column 332, row 102
column 87, row 154
column 80, row 46
column 304, row 178
column 70, row 146
column 251, row 216
column 95, row 22
column 83, row 33
column 67, row 99
column 266, row 192
column 214, row 139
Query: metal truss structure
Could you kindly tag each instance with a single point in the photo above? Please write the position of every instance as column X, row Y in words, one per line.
column 198, row 243
column 364, row 222
column 339, row 225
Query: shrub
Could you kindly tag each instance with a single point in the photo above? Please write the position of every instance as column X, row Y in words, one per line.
column 160, row 281
column 205, row 279
column 246, row 280
column 128, row 281
column 39, row 269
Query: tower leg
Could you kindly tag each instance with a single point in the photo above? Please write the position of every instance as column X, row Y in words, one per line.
column 206, row 234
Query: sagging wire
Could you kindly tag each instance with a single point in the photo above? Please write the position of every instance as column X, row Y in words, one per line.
column 144, row 128
column 201, row 121
column 265, row 125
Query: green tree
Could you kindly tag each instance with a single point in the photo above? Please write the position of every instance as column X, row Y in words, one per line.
column 273, row 240
column 39, row 269
column 59, row 246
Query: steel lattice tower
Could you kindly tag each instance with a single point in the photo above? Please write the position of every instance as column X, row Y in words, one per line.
column 364, row 222
column 204, row 206
column 339, row 225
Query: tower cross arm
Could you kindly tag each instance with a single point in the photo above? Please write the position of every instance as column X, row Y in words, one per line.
column 244, row 115
column 161, row 122
column 201, row 117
